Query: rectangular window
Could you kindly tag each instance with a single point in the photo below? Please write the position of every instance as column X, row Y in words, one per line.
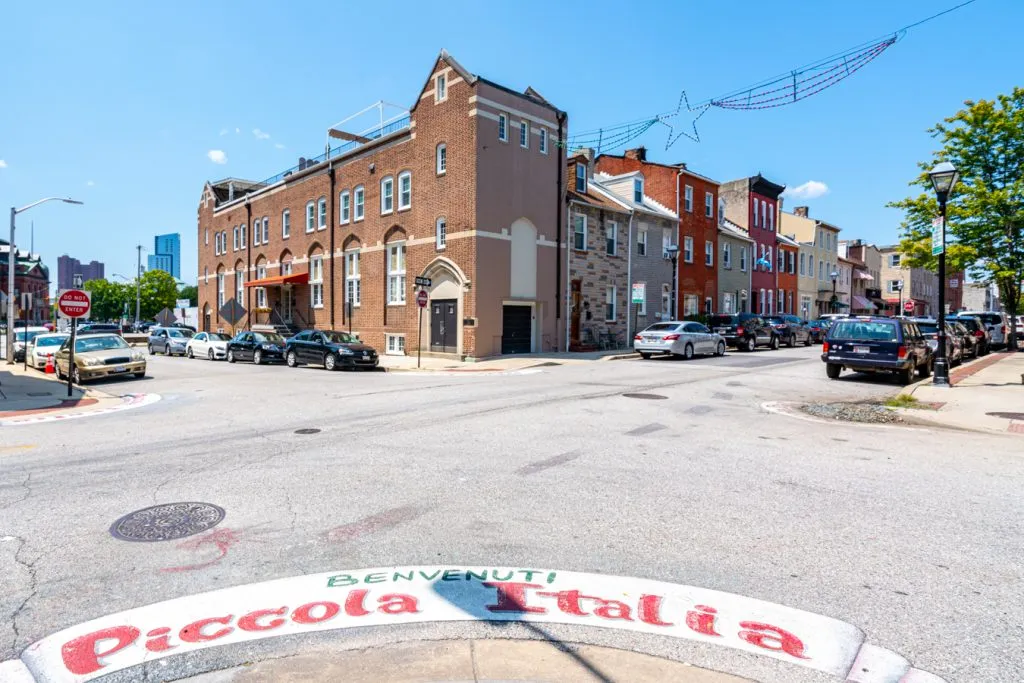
column 687, row 249
column 441, row 233
column 543, row 140
column 641, row 308
column 666, row 242
column 442, row 159
column 791, row 258
column 316, row 281
column 611, row 237
column 503, row 127
column 756, row 224
column 220, row 290
column 242, row 239
column 239, row 286
column 581, row 178
column 638, row 190
column 641, row 241
column 690, row 305
column 768, row 260
column 743, row 259
column 688, row 199
column 803, row 264
column 321, row 208
column 609, row 303
column 396, row 273
column 524, row 134
column 266, row 230
column 345, row 202
column 360, row 202
column 771, row 219
column 782, row 261
column 310, row 216
column 709, row 253
column 764, row 214
column 728, row 302
column 286, row 268
column 810, row 267
column 234, row 238
column 353, row 288
column 257, row 232
column 206, row 237
column 261, row 292
column 781, row 301
column 404, row 190
column 286, row 224
column 821, row 270
column 579, row 232
column 727, row 255
column 709, row 205
column 216, row 244
column 666, row 302
column 387, row 195
column 395, row 344
column 894, row 286
column 894, row 260
column 441, row 88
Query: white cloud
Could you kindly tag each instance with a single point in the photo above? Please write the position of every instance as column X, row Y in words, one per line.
column 223, row 131
column 217, row 156
column 278, row 145
column 237, row 131
column 812, row 189
column 89, row 183
column 260, row 135
column 3, row 164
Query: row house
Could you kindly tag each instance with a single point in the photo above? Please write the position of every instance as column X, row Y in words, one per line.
column 752, row 204
column 819, row 254
column 787, row 251
column 465, row 189
column 844, row 283
column 919, row 285
column 734, row 269
column 865, row 290
column 694, row 199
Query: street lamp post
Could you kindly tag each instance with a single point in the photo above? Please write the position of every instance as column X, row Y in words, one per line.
column 673, row 254
column 943, row 177
column 899, row 289
column 835, row 276
column 12, row 265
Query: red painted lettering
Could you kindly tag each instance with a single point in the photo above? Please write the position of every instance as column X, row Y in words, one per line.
column 159, row 640
column 250, row 622
column 81, row 655
column 777, row 639
column 649, row 611
column 397, row 603
column 512, row 597
column 569, row 601
column 354, row 604
column 612, row 609
column 304, row 613
column 193, row 633
column 702, row 620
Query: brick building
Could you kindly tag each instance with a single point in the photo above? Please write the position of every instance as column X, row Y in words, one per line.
column 466, row 188
column 30, row 276
column 753, row 204
column 919, row 285
column 694, row 198
column 787, row 252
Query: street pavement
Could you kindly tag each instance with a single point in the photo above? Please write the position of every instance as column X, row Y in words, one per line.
column 914, row 535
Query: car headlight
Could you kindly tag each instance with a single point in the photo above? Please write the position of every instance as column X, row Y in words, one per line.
column 138, row 355
column 345, row 351
column 91, row 362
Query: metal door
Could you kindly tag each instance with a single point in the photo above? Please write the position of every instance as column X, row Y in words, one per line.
column 516, row 329
column 443, row 326
column 287, row 303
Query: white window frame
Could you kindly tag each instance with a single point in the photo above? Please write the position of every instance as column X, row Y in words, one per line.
column 440, row 88
column 891, row 284
column 641, row 308
column 728, row 302
column 709, row 253
column 895, row 260
column 524, row 134
column 764, row 214
column 687, row 249
column 387, row 195
column 768, row 259
column 396, row 273
column 771, row 218
column 780, row 257
column 709, row 205
column 743, row 259
column 690, row 304
column 726, row 255
column 581, row 177
column 239, row 286
column 780, row 302
column 666, row 242
column 261, row 292
column 216, row 244
column 810, row 266
column 266, row 230
column 392, row 343
column 321, row 211
column 760, row 303
column 638, row 190
column 803, row 265
column 611, row 237
column 286, row 268
column 666, row 301
column 353, row 280
column 579, row 230
column 243, row 232
column 310, row 216
column 206, row 237
column 358, row 203
column 404, row 194
column 543, row 139
column 206, row 274
column 688, row 199
column 286, row 224
column 756, row 224
column 441, row 158
column 441, row 233
column 220, row 289
column 610, row 303
column 344, row 207
column 234, row 238
column 316, row 281
column 641, row 241
column 769, row 305
column 257, row 232
column 503, row 127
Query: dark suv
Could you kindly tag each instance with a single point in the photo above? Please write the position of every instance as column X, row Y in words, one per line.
column 744, row 331
column 876, row 345
column 791, row 330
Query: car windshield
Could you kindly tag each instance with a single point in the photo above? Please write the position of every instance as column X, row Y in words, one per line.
column 865, row 330
column 928, row 328
column 340, row 338
column 104, row 343
column 50, row 341
column 26, row 336
column 969, row 324
column 216, row 336
column 178, row 333
column 268, row 337
column 721, row 320
column 991, row 318
column 662, row 327
column 775, row 319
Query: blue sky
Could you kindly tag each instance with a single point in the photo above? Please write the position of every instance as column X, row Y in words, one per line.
column 118, row 104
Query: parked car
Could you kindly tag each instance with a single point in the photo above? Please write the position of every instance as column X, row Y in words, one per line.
column 930, row 329
column 744, row 331
column 211, row 345
column 791, row 330
column 99, row 355
column 99, row 328
column 995, row 323
column 976, row 327
column 818, row 329
column 870, row 344
column 259, row 347
column 23, row 336
column 170, row 341
column 42, row 347
column 145, row 325
column 330, row 349
column 682, row 339
column 832, row 317
column 968, row 342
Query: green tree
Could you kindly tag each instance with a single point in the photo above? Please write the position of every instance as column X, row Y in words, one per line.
column 108, row 299
column 190, row 292
column 985, row 213
column 157, row 292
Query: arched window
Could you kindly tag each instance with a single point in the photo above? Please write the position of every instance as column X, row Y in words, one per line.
column 310, row 215
column 286, row 224
column 442, row 158
column 387, row 195
column 404, row 190
column 441, row 233
column 321, row 209
column 344, row 207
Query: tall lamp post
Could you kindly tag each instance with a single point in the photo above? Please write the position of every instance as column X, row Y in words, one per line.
column 673, row 254
column 835, row 276
column 12, row 265
column 944, row 178
column 899, row 307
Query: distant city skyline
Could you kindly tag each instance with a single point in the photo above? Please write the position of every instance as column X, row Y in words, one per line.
column 166, row 254
column 68, row 267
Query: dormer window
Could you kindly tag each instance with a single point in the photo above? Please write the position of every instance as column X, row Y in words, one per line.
column 581, row 177
column 441, row 88
column 638, row 190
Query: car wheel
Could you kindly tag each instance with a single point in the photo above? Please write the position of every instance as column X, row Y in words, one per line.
column 904, row 377
column 209, row 354
column 924, row 370
column 751, row 344
column 231, row 356
column 720, row 351
column 190, row 353
column 791, row 342
column 808, row 341
column 140, row 375
column 291, row 359
column 60, row 375
column 330, row 362
column 833, row 370
column 645, row 355
column 76, row 377
column 774, row 345
column 257, row 357
column 152, row 351
column 688, row 352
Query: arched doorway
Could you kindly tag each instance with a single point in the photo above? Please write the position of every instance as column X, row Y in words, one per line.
column 207, row 322
column 442, row 329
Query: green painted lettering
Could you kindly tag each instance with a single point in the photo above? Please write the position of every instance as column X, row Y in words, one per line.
column 494, row 575
column 431, row 577
column 375, row 578
column 451, row 575
column 551, row 577
column 470, row 575
column 341, row 580
column 529, row 573
column 399, row 575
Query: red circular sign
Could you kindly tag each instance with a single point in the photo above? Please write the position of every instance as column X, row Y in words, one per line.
column 73, row 303
column 421, row 298
column 909, row 306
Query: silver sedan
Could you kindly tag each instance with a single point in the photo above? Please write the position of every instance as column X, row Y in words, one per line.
column 683, row 339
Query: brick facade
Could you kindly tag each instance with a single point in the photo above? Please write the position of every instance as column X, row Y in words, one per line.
column 753, row 204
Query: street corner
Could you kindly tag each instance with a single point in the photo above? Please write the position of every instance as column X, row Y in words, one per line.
column 92, row 404
column 556, row 606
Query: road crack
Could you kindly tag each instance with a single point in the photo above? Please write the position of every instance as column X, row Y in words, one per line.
column 33, row 587
column 27, row 485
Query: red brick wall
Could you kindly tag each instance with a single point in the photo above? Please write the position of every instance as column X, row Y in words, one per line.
column 787, row 282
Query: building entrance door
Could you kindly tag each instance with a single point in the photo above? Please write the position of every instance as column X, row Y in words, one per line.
column 443, row 326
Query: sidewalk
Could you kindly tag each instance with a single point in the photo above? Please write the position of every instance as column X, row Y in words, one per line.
column 987, row 395
column 498, row 363
column 25, row 393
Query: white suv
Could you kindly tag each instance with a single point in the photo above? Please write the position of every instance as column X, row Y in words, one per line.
column 995, row 322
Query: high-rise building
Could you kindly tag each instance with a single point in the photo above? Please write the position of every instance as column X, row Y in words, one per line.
column 166, row 254
column 68, row 267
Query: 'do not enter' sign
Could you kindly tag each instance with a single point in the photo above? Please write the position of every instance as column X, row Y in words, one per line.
column 74, row 303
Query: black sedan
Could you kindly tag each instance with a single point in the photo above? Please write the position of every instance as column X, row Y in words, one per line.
column 330, row 349
column 259, row 347
column 791, row 329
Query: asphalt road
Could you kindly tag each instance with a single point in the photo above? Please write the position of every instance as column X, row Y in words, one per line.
column 916, row 536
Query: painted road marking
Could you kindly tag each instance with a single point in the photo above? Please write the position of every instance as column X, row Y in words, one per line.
column 128, row 402
column 401, row 595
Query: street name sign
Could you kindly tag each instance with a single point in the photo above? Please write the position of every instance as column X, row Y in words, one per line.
column 938, row 237
column 423, row 281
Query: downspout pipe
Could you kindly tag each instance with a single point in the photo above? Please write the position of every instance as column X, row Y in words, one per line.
column 629, row 278
column 248, row 266
column 330, row 222
column 559, row 199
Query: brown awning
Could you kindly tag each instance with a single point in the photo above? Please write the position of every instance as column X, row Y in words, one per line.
column 278, row 280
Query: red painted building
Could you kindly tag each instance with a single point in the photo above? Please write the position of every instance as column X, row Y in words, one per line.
column 787, row 300
column 753, row 204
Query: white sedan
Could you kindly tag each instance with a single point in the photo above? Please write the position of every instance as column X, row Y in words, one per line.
column 683, row 339
column 211, row 345
column 43, row 346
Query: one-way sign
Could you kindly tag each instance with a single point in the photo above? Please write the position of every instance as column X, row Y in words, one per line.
column 423, row 282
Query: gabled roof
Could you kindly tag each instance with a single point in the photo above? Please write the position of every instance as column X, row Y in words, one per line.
column 610, row 184
column 786, row 239
column 596, row 199
column 727, row 227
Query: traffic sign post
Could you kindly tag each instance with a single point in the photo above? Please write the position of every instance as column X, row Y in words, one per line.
column 26, row 305
column 908, row 307
column 639, row 295
column 73, row 304
column 421, row 302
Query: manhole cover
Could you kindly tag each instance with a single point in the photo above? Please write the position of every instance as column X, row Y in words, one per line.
column 649, row 397
column 1008, row 416
column 307, row 430
column 167, row 522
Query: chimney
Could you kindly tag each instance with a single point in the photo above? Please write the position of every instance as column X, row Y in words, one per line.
column 302, row 163
column 587, row 152
column 231, row 191
column 801, row 211
column 638, row 154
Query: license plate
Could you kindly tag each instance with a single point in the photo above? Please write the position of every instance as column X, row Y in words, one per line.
column 120, row 368
column 861, row 349
column 722, row 330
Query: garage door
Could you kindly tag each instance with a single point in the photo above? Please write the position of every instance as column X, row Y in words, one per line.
column 516, row 329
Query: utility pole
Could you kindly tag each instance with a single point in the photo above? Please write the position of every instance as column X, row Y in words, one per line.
column 138, row 285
